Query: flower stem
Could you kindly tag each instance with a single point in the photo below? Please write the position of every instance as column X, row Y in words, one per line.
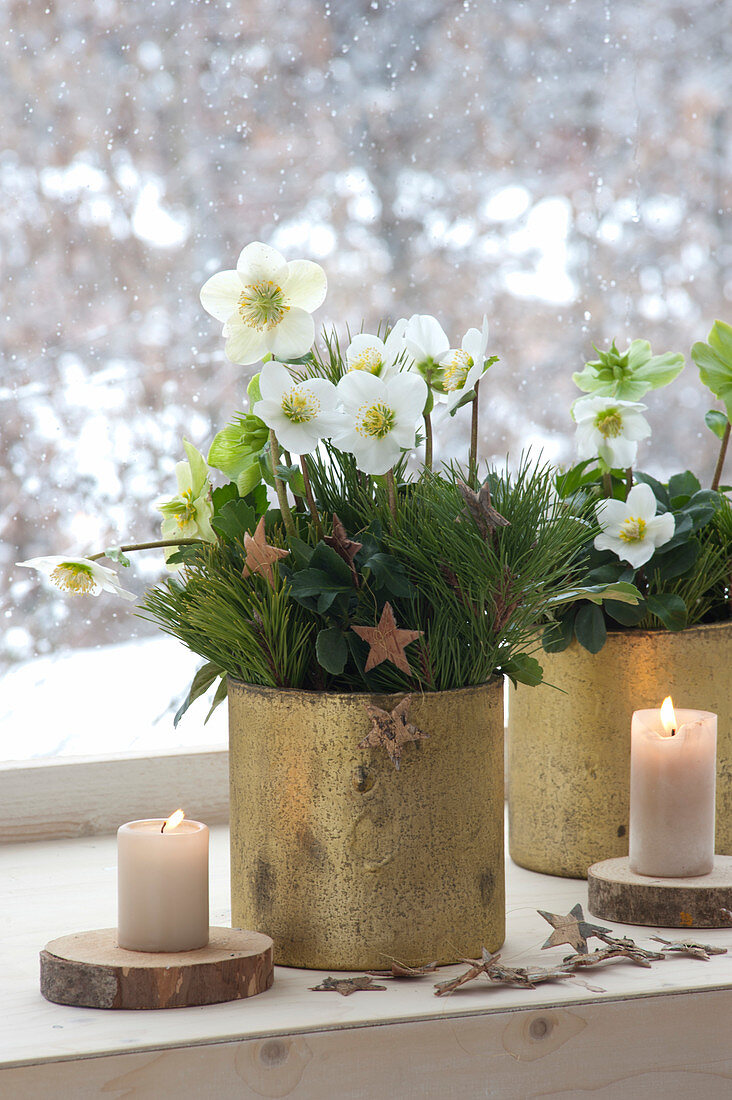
column 299, row 502
column 391, row 490
column 720, row 460
column 148, row 546
column 473, row 458
column 280, row 488
column 607, row 484
column 628, row 479
column 427, row 441
column 310, row 498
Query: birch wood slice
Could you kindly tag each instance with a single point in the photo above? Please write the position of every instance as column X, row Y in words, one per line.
column 88, row 969
column 614, row 892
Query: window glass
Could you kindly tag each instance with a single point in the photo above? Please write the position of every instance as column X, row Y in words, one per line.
column 562, row 168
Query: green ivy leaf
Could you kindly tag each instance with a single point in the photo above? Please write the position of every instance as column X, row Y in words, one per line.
column 626, row 614
column 522, row 669
column 622, row 591
column 331, row 650
column 717, row 422
column 589, row 627
column 557, row 635
column 681, row 487
column 235, row 519
column 670, row 609
column 199, row 686
column 668, row 564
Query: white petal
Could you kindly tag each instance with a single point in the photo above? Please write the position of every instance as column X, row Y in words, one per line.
column 641, row 501
column 635, row 553
column 364, row 343
column 359, row 387
column 472, row 343
column 324, row 390
column 619, row 453
column 245, row 345
column 660, row 529
column 293, row 336
column 407, row 393
column 305, row 284
column 425, row 338
column 635, row 426
column 611, row 513
column 270, row 412
column 274, row 380
column 220, row 294
column 259, row 262
column 377, row 455
column 300, row 438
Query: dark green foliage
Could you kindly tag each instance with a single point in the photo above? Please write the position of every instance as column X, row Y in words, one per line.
column 686, row 581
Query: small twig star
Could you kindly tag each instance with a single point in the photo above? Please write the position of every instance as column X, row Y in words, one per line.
column 391, row 730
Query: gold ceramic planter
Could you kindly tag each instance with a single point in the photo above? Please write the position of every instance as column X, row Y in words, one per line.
column 569, row 751
column 347, row 863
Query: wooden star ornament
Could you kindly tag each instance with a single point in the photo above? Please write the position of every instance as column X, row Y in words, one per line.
column 347, row 986
column 387, row 641
column 260, row 555
column 479, row 507
column 391, row 730
column 572, row 929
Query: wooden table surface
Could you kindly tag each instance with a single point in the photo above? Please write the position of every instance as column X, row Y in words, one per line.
column 637, row 1033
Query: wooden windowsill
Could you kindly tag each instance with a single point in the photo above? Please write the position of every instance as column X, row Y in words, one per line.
column 666, row 1025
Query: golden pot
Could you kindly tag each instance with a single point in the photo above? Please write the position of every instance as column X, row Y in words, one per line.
column 348, row 863
column 569, row 750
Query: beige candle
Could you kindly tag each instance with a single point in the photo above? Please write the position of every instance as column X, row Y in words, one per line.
column 673, row 765
column 162, row 884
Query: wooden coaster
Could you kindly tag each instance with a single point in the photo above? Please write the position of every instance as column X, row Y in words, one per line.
column 89, row 969
column 614, row 892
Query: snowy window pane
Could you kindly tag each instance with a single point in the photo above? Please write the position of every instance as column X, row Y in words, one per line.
column 562, row 168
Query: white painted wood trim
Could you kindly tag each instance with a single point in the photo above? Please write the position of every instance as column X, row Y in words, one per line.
column 85, row 796
column 673, row 1046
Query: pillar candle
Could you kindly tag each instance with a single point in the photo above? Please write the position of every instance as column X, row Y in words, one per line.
column 162, row 884
column 672, row 783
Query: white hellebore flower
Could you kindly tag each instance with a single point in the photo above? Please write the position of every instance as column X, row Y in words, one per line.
column 381, row 417
column 79, row 575
column 299, row 413
column 377, row 356
column 265, row 305
column 462, row 367
column 609, row 428
column 426, row 342
column 188, row 515
column 631, row 528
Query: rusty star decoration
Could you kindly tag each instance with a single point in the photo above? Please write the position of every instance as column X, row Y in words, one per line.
column 572, row 929
column 387, row 641
column 260, row 555
column 479, row 507
column 391, row 730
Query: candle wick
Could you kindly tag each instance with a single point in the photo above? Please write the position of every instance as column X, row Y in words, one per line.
column 163, row 827
column 673, row 733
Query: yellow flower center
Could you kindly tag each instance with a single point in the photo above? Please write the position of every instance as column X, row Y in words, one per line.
column 369, row 359
column 186, row 510
column 74, row 577
column 609, row 423
column 262, row 305
column 300, row 406
column 632, row 529
column 456, row 370
column 375, row 421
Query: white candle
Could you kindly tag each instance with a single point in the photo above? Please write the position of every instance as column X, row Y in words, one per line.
column 162, row 884
column 673, row 766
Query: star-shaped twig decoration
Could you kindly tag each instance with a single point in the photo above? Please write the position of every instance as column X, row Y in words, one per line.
column 689, row 947
column 391, row 730
column 477, row 967
column 478, row 505
column 345, row 548
column 572, row 929
column 498, row 974
column 260, row 555
column 401, row 970
column 387, row 641
column 346, row 986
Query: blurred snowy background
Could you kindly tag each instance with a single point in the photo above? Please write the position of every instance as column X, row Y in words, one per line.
column 563, row 167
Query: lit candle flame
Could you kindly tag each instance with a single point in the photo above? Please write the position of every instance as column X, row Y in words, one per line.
column 173, row 821
column 668, row 716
